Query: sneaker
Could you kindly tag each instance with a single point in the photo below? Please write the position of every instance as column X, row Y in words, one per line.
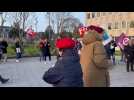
column 3, row 81
column 17, row 61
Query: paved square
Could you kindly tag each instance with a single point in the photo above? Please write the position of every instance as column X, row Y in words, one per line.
column 29, row 72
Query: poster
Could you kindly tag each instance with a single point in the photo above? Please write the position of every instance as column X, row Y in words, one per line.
column 122, row 40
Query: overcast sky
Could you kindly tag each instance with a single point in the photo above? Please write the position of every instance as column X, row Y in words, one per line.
column 43, row 22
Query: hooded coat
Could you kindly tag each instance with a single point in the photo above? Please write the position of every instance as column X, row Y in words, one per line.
column 94, row 61
column 67, row 71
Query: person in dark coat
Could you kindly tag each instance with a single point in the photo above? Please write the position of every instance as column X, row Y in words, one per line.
column 112, row 51
column 47, row 50
column 129, row 54
column 4, row 49
column 67, row 71
column 3, row 80
column 108, row 51
column 1, row 51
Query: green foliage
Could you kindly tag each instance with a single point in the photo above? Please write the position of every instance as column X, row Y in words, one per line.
column 14, row 33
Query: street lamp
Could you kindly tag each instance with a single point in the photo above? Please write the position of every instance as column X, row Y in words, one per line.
column 48, row 13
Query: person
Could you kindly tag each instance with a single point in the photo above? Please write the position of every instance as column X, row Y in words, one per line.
column 129, row 52
column 47, row 50
column 122, row 55
column 78, row 46
column 1, row 51
column 112, row 51
column 94, row 60
column 18, row 49
column 108, row 51
column 59, row 53
column 42, row 46
column 4, row 49
column 3, row 80
column 67, row 71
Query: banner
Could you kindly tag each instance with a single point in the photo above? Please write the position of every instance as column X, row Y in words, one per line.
column 122, row 40
column 106, row 38
column 30, row 33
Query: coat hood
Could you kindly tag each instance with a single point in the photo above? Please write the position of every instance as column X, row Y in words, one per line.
column 71, row 55
column 91, row 37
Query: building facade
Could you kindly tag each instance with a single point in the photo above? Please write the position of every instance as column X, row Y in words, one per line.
column 5, row 31
column 114, row 22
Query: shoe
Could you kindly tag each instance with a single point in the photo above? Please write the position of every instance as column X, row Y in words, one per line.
column 3, row 81
column 17, row 61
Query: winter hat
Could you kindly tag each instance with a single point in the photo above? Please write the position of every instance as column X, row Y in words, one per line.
column 83, row 30
column 65, row 43
column 96, row 28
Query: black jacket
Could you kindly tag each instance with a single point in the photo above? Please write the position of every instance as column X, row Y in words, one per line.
column 5, row 45
column 1, row 47
column 67, row 71
column 129, row 52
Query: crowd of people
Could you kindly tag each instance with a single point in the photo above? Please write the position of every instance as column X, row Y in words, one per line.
column 86, row 64
column 85, row 68
column 44, row 46
column 81, row 62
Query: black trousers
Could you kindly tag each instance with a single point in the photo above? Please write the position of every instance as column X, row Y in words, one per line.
column 45, row 57
column 130, row 63
column 0, row 57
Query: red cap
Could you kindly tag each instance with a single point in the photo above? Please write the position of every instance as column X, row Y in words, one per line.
column 65, row 43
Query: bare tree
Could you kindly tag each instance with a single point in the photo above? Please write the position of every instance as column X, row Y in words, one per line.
column 71, row 24
column 57, row 19
column 3, row 16
column 21, row 19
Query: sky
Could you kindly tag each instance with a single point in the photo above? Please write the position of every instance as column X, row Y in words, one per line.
column 43, row 22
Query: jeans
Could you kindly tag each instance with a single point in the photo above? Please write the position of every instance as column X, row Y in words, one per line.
column 18, row 55
column 5, row 57
column 113, row 58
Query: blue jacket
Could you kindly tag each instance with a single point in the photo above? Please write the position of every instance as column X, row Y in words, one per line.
column 67, row 71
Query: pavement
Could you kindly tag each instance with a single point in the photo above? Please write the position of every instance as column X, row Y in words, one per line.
column 29, row 72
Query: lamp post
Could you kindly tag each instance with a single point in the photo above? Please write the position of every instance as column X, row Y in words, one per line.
column 48, row 13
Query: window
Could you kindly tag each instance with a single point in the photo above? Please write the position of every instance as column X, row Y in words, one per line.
column 7, row 30
column 110, row 13
column 132, row 24
column 123, row 24
column 98, row 14
column 116, row 25
column 109, row 26
column 104, row 13
column 88, row 16
column 93, row 14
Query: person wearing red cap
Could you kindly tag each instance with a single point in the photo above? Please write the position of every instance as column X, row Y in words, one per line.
column 67, row 71
column 93, row 59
